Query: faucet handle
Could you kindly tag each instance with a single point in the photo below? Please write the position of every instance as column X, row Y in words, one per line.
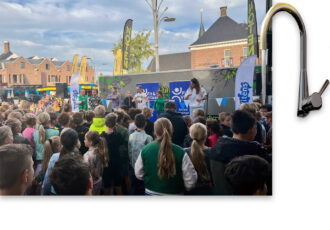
column 314, row 102
column 325, row 85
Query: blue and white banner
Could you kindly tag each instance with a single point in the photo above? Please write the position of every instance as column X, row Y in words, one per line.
column 74, row 91
column 244, row 82
column 150, row 89
column 177, row 92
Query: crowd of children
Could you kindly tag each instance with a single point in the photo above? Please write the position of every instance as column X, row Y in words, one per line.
column 93, row 152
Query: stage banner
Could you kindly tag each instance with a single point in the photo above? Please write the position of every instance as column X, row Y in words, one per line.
column 74, row 91
column 83, row 65
column 127, row 42
column 150, row 90
column 177, row 92
column 253, row 30
column 244, row 82
column 75, row 64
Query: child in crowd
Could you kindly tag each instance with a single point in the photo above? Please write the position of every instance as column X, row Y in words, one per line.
column 159, row 104
column 112, row 174
column 132, row 112
column 64, row 120
column 31, row 122
column 71, row 176
column 99, row 120
column 137, row 141
column 52, row 145
column 89, row 115
column 97, row 158
column 6, row 135
column 198, row 113
column 16, row 169
column 78, row 121
column 149, row 128
column 53, row 121
column 248, row 175
column 198, row 154
column 69, row 140
column 16, row 128
column 214, row 130
column 225, row 122
column 165, row 167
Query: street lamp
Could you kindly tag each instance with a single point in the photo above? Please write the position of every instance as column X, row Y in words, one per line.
column 155, row 10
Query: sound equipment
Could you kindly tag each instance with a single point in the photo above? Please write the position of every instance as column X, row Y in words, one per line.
column 62, row 90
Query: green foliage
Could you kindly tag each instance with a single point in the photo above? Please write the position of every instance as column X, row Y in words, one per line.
column 140, row 51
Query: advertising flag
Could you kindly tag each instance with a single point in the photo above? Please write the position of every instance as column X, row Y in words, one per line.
column 177, row 92
column 127, row 42
column 253, row 48
column 82, row 72
column 74, row 91
column 75, row 64
column 244, row 82
column 118, row 68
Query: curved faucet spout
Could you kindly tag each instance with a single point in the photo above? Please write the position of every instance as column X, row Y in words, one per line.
column 306, row 103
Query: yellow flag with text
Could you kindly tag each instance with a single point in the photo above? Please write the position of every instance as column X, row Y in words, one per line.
column 75, row 64
column 82, row 73
column 118, row 68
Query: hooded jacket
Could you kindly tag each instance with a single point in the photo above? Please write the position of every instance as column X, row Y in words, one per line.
column 228, row 148
column 98, row 125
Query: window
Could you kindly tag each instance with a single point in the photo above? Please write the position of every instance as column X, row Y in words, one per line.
column 22, row 65
column 9, row 78
column 227, row 60
column 68, row 68
column 47, row 66
column 48, row 78
column 14, row 78
column 0, row 78
column 20, row 78
column 245, row 52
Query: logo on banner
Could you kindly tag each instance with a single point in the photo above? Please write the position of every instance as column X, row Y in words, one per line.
column 244, row 94
column 178, row 94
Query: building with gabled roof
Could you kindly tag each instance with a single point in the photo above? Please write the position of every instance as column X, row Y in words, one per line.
column 224, row 44
column 17, row 70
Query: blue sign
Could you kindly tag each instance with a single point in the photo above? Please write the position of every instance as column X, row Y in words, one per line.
column 150, row 89
column 177, row 92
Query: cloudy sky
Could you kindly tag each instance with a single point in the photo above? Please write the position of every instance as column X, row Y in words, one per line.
column 62, row 28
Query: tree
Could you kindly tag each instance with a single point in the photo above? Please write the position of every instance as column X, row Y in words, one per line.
column 140, row 51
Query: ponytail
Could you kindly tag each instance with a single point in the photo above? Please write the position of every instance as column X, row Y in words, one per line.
column 166, row 160
column 198, row 159
column 51, row 145
column 101, row 150
column 42, row 134
column 198, row 132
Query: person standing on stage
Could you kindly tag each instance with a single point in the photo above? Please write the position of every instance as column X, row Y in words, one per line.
column 83, row 101
column 94, row 100
column 128, row 101
column 196, row 95
column 141, row 99
column 115, row 98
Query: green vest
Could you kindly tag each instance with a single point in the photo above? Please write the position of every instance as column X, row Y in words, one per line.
column 173, row 185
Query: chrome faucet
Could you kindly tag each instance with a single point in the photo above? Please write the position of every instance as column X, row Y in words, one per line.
column 306, row 103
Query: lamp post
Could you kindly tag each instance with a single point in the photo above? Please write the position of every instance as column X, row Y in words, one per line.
column 157, row 21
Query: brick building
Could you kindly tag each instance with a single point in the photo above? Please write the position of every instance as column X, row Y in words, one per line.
column 16, row 70
column 224, row 44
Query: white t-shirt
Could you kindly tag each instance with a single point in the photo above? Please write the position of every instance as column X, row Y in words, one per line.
column 141, row 100
column 194, row 96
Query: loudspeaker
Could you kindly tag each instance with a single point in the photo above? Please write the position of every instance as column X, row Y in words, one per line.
column 62, row 90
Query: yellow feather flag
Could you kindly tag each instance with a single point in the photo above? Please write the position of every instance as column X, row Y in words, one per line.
column 118, row 68
column 75, row 64
column 82, row 73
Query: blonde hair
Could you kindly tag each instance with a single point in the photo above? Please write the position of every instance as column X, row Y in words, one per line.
column 51, row 146
column 99, row 111
column 25, row 105
column 147, row 112
column 198, row 132
column 166, row 159
column 43, row 119
column 250, row 108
